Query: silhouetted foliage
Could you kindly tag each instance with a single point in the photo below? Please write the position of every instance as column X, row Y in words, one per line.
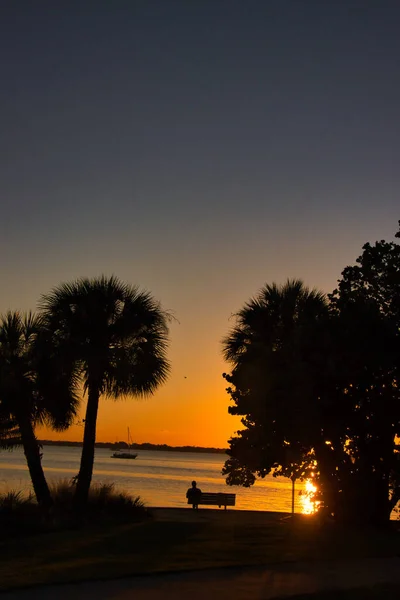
column 103, row 499
column 269, row 385
column 317, row 380
column 21, row 515
column 9, row 433
column 35, row 388
column 117, row 336
column 371, row 362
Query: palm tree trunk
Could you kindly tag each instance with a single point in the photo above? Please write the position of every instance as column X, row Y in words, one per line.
column 87, row 457
column 34, row 461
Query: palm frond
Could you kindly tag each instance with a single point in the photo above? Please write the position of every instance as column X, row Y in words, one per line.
column 9, row 432
column 268, row 317
column 36, row 380
column 112, row 327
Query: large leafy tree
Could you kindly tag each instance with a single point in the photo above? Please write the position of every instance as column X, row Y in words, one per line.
column 370, row 361
column 35, row 388
column 353, row 391
column 375, row 278
column 323, row 387
column 117, row 337
column 270, row 385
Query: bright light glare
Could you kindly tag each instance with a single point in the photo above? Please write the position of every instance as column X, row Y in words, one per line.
column 308, row 505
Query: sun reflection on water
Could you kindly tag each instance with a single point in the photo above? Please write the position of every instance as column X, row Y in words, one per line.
column 309, row 506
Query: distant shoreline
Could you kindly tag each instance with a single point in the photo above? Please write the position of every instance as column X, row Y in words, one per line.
column 144, row 446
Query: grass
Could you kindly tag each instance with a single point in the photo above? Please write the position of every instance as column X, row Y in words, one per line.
column 104, row 499
column 211, row 539
column 20, row 515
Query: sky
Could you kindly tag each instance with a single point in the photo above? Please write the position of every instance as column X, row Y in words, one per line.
column 199, row 149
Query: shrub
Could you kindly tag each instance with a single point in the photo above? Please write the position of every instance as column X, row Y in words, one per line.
column 19, row 513
column 103, row 499
column 13, row 501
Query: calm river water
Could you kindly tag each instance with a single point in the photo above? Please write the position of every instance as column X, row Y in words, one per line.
column 160, row 478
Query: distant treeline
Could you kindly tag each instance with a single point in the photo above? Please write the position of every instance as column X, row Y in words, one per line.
column 145, row 446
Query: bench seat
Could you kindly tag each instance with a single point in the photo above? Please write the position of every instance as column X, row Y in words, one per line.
column 216, row 499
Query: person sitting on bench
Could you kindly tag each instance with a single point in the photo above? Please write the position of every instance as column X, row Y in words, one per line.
column 193, row 495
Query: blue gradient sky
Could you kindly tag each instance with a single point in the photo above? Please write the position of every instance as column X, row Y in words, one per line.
column 200, row 149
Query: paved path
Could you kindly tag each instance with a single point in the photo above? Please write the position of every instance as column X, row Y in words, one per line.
column 257, row 583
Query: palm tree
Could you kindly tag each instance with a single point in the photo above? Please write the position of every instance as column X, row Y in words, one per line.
column 269, row 319
column 35, row 388
column 118, row 337
column 9, row 433
column 269, row 382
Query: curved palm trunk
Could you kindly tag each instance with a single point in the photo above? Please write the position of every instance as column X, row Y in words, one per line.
column 87, row 457
column 34, row 461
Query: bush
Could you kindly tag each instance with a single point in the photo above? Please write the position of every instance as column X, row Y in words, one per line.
column 19, row 514
column 13, row 501
column 104, row 499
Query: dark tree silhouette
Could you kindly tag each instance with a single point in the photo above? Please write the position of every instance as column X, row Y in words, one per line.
column 375, row 278
column 34, row 389
column 318, row 381
column 367, row 301
column 117, row 337
column 9, row 433
column 270, row 386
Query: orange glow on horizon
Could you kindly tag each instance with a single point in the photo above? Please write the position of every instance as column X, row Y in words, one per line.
column 190, row 410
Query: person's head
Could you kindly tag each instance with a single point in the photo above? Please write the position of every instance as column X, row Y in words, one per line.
column 194, row 484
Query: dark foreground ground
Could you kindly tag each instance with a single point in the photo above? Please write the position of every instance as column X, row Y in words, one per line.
column 366, row 579
column 210, row 554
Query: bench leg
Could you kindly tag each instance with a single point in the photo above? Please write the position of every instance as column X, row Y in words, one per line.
column 225, row 506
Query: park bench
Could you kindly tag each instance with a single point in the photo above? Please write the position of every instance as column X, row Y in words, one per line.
column 216, row 499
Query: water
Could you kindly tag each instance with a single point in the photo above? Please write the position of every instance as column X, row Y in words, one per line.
column 160, row 478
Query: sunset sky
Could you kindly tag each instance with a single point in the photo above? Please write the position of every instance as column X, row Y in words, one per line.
column 200, row 149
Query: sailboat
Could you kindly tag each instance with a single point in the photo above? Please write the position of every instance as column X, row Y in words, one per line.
column 125, row 453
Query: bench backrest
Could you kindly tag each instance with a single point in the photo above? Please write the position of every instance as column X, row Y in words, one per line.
column 215, row 498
